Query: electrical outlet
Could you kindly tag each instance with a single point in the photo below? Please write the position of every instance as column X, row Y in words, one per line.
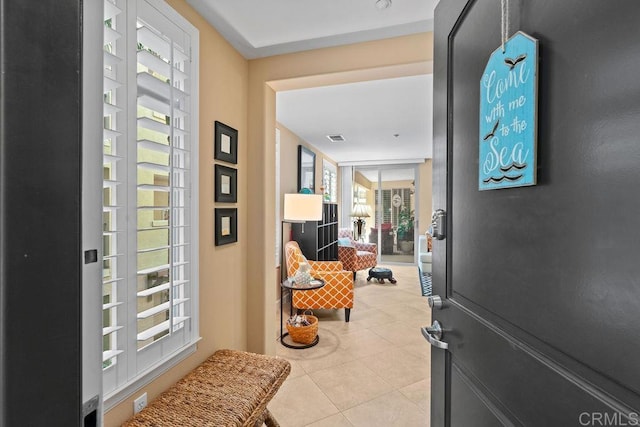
column 140, row 403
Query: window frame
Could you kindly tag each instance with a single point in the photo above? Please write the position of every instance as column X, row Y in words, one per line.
column 143, row 365
column 331, row 190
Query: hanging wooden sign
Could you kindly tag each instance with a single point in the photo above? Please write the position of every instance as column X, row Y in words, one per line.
column 508, row 115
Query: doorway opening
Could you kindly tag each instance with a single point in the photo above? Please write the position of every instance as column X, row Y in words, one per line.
column 389, row 196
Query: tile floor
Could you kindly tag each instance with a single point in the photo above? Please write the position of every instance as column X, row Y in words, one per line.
column 372, row 371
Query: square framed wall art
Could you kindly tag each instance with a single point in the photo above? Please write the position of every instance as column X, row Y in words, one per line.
column 225, row 143
column 226, row 183
column 226, row 226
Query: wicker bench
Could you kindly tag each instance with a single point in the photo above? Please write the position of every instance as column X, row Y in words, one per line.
column 230, row 388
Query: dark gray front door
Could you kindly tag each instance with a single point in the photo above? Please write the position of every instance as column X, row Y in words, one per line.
column 40, row 213
column 541, row 285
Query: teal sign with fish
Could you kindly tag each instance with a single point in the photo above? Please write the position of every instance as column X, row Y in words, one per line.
column 508, row 115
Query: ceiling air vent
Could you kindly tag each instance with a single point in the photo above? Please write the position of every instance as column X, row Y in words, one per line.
column 336, row 138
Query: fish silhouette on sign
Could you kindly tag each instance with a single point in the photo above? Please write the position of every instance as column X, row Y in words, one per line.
column 493, row 131
column 513, row 62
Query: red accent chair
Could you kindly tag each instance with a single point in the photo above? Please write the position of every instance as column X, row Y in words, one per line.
column 357, row 255
column 387, row 236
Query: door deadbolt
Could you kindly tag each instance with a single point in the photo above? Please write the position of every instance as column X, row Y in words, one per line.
column 439, row 224
column 435, row 302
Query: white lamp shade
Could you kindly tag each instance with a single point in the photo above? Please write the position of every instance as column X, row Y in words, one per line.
column 360, row 211
column 302, row 207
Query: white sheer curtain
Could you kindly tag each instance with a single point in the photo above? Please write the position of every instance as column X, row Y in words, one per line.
column 346, row 196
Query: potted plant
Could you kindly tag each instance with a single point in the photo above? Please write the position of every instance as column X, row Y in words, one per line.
column 405, row 226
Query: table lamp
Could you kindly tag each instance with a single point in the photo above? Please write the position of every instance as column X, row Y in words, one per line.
column 359, row 212
column 299, row 208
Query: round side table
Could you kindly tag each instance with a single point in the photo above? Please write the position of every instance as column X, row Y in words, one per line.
column 291, row 286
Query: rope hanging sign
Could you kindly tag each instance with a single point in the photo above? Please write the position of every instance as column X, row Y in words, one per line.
column 508, row 112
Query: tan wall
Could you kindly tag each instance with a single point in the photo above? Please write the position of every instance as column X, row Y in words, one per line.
column 360, row 179
column 223, row 282
column 289, row 142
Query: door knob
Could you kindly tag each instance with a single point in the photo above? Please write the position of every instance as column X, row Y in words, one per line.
column 433, row 334
column 435, row 302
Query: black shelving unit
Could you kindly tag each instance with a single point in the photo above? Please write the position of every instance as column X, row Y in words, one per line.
column 318, row 240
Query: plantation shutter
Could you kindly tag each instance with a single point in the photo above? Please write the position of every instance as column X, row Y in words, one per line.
column 386, row 205
column 330, row 181
column 163, row 140
column 114, row 193
column 150, row 303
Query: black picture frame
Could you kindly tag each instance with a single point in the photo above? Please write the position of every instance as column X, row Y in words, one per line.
column 226, row 183
column 306, row 169
column 226, row 226
column 225, row 143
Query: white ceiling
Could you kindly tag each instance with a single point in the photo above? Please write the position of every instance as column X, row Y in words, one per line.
column 368, row 114
column 259, row 28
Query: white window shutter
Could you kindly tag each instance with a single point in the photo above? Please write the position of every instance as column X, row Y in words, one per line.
column 150, row 165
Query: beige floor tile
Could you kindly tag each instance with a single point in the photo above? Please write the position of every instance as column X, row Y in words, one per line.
column 364, row 343
column 371, row 317
column 355, row 337
column 335, row 358
column 296, row 369
column 398, row 367
column 418, row 322
column 300, row 402
column 421, row 304
column 381, row 300
column 337, row 420
column 414, row 298
column 421, row 350
column 375, row 369
column 290, row 354
column 419, row 393
column 399, row 333
column 350, row 384
column 392, row 409
column 341, row 327
column 405, row 312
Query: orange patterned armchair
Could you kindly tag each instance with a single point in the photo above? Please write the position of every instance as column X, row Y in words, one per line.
column 357, row 255
column 337, row 291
